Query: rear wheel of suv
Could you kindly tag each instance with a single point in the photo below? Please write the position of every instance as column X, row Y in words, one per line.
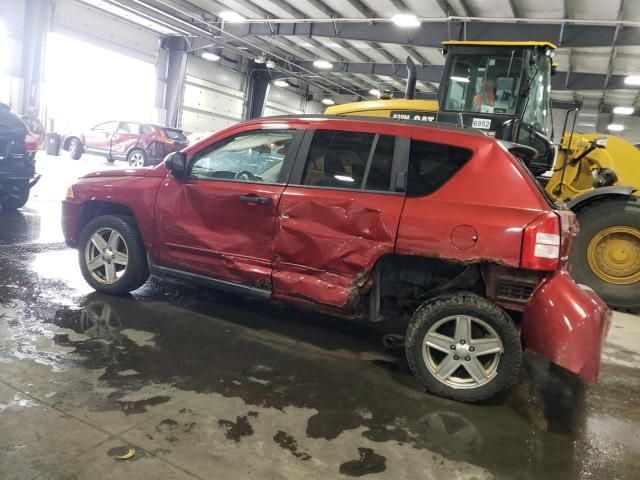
column 112, row 255
column 137, row 158
column 463, row 347
column 75, row 149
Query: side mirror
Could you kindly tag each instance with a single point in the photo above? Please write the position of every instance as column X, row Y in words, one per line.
column 600, row 142
column 176, row 162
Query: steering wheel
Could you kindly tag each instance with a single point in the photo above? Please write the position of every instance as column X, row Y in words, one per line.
column 246, row 175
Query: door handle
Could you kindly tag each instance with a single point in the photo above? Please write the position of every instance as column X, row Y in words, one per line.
column 253, row 198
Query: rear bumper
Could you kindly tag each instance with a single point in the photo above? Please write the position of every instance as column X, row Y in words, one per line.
column 567, row 324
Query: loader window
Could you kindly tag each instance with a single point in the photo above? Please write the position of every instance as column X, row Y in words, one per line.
column 484, row 83
column 537, row 112
column 431, row 165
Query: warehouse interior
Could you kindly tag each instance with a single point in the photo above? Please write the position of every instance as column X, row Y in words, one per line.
column 178, row 381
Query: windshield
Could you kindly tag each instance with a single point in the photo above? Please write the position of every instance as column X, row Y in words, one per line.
column 484, row 83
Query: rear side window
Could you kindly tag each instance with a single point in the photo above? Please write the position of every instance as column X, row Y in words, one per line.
column 146, row 129
column 431, row 165
column 351, row 160
column 173, row 134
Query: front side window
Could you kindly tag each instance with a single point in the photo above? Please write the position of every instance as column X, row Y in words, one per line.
column 128, row 128
column 431, row 165
column 352, row 160
column 255, row 156
column 484, row 83
column 537, row 112
column 108, row 127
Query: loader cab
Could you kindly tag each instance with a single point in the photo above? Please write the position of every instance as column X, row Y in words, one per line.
column 503, row 89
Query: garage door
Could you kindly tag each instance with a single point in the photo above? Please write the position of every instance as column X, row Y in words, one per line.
column 284, row 102
column 213, row 97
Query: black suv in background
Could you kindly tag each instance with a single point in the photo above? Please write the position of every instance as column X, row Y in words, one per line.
column 17, row 160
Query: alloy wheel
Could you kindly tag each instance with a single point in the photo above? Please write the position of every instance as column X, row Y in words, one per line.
column 106, row 255
column 136, row 159
column 462, row 351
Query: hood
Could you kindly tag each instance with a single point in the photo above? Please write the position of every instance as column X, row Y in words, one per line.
column 119, row 172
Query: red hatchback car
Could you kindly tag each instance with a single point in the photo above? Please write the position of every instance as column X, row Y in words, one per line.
column 440, row 230
column 140, row 144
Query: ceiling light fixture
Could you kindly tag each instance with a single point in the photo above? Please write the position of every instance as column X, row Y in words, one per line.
column 212, row 57
column 323, row 64
column 328, row 101
column 615, row 127
column 270, row 64
column 280, row 83
column 261, row 58
column 375, row 92
column 632, row 80
column 231, row 17
column 623, row 110
column 406, row 20
column 460, row 79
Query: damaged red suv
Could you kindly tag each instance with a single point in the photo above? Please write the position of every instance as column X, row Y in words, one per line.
column 440, row 229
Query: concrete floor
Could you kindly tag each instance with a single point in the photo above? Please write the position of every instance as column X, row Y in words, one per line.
column 206, row 385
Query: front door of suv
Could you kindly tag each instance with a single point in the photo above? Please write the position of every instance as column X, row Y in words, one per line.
column 219, row 221
column 98, row 139
column 124, row 139
column 338, row 215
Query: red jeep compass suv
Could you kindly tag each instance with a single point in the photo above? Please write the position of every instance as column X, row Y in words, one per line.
column 441, row 229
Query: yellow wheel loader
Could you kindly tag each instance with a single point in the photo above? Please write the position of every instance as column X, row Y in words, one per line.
column 503, row 89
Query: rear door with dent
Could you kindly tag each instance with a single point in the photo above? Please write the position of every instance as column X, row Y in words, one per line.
column 338, row 215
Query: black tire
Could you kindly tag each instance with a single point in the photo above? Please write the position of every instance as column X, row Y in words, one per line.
column 76, row 149
column 135, row 156
column 464, row 304
column 137, row 269
column 16, row 198
column 594, row 218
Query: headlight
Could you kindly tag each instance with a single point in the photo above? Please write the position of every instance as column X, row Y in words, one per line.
column 69, row 192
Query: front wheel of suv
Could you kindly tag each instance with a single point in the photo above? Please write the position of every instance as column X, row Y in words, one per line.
column 463, row 347
column 75, row 149
column 112, row 255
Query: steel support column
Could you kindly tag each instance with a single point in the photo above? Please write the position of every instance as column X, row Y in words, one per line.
column 258, row 88
column 170, row 72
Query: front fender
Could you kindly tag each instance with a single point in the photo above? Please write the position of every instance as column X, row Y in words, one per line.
column 616, row 190
column 567, row 324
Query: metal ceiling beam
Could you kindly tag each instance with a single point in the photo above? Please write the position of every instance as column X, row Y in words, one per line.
column 514, row 8
column 433, row 73
column 612, row 57
column 432, row 33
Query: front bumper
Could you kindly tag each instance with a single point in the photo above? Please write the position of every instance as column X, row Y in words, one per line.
column 71, row 210
column 567, row 324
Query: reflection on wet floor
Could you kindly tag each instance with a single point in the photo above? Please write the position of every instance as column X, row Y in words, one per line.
column 332, row 398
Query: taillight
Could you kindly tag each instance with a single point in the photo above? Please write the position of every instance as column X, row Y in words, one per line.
column 31, row 142
column 541, row 243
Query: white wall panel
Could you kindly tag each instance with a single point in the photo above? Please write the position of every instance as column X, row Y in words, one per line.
column 213, row 96
column 281, row 101
column 105, row 30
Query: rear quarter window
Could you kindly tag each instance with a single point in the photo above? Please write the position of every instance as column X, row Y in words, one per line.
column 177, row 135
column 431, row 165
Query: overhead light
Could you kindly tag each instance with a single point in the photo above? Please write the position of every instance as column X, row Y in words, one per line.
column 323, row 64
column 280, row 83
column 270, row 64
column 261, row 58
column 406, row 20
column 586, row 124
column 623, row 110
column 231, row 17
column 632, row 80
column 333, row 45
column 328, row 101
column 615, row 127
column 306, row 45
column 212, row 57
column 375, row 92
column 460, row 79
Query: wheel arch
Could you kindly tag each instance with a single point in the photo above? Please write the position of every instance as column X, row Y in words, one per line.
column 67, row 141
column 94, row 208
column 597, row 194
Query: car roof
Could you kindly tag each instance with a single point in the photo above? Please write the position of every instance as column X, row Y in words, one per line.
column 385, row 120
